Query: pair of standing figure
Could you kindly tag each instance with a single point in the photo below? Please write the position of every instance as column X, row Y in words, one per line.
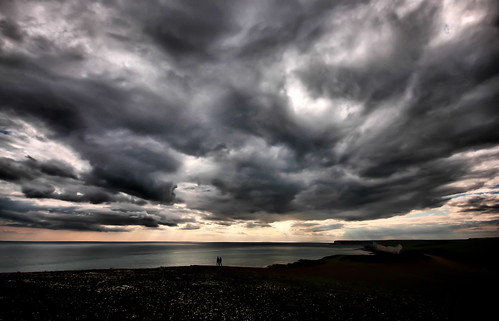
column 219, row 261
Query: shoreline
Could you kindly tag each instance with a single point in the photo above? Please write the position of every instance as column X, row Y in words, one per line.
column 40, row 257
column 472, row 252
column 333, row 288
column 436, row 283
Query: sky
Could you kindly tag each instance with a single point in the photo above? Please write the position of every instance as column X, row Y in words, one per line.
column 258, row 120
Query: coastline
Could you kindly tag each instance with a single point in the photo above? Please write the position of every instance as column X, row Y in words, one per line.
column 56, row 256
column 412, row 286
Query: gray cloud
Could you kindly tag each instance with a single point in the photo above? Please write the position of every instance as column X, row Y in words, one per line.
column 139, row 91
column 409, row 232
column 316, row 227
column 39, row 179
column 188, row 227
column 193, row 30
column 479, row 204
column 426, row 231
column 30, row 168
column 255, row 225
column 328, row 227
column 27, row 214
column 10, row 30
column 381, row 77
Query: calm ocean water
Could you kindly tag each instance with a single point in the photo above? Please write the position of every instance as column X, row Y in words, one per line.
column 56, row 256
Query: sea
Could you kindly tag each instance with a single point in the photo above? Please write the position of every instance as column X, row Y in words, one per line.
column 60, row 256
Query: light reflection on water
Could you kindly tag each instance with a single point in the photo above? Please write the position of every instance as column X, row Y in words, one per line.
column 55, row 256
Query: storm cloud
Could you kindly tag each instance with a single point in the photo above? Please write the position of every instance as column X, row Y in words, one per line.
column 252, row 112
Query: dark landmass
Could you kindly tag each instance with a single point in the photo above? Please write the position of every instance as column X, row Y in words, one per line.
column 429, row 280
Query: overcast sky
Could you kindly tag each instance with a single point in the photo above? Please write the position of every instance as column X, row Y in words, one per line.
column 248, row 120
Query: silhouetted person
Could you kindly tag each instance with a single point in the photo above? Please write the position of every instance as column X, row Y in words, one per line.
column 220, row 261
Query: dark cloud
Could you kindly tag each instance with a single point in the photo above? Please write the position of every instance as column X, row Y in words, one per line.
column 381, row 77
column 28, row 214
column 189, row 29
column 11, row 30
column 72, row 193
column 131, row 168
column 417, row 188
column 256, row 190
column 269, row 117
column 139, row 181
column 480, row 204
column 38, row 191
column 57, row 168
column 30, row 168
column 270, row 110
column 284, row 24
column 39, row 179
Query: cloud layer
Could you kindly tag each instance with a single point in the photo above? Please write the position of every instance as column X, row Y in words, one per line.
column 122, row 114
